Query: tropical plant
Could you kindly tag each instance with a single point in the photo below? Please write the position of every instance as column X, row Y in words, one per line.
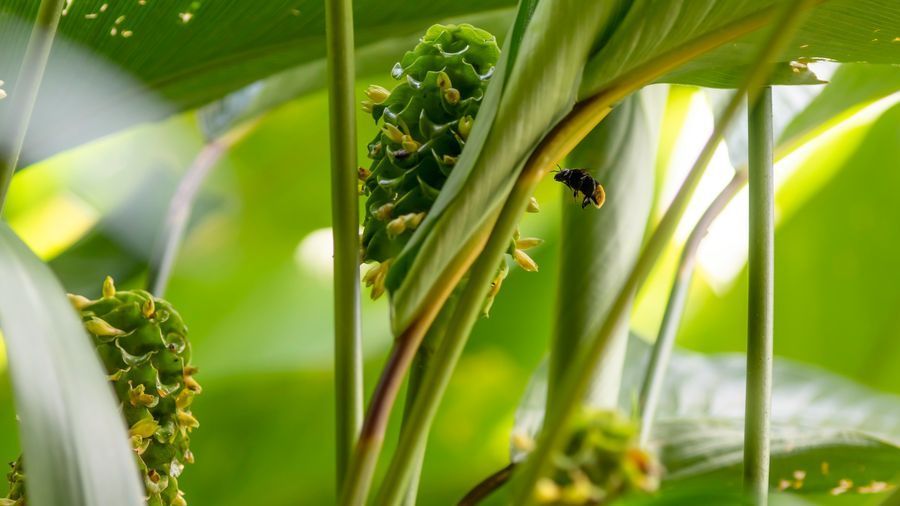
column 120, row 111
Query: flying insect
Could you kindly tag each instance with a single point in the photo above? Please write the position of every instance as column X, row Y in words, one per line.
column 580, row 180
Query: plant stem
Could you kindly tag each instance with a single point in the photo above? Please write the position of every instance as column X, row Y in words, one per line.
column 182, row 204
column 371, row 438
column 421, row 364
column 578, row 378
column 348, row 382
column 487, row 486
column 761, row 268
column 14, row 124
column 662, row 349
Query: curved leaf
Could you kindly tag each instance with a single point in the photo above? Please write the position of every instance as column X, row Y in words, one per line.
column 840, row 30
column 598, row 248
column 75, row 443
column 132, row 62
column 527, row 96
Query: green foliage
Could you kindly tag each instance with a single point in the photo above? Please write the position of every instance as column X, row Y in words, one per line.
column 823, row 426
column 142, row 342
column 601, row 462
column 426, row 121
column 71, row 429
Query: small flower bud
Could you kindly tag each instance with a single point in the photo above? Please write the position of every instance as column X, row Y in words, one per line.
column 377, row 94
column 79, row 302
column 396, row 227
column 525, row 261
column 546, row 491
column 363, row 173
column 451, row 95
column 144, row 427
column 138, row 397
column 101, row 328
column 449, row 160
column 528, row 243
column 409, row 144
column 465, row 126
column 393, row 133
column 375, row 150
column 186, row 419
column 383, row 212
column 443, row 80
column 148, row 308
column 413, row 220
column 367, row 106
column 533, row 206
column 109, row 287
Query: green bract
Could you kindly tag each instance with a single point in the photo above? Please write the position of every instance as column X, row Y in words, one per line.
column 425, row 121
column 142, row 342
column 601, row 462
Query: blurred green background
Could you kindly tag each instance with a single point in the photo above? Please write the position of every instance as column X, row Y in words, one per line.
column 253, row 283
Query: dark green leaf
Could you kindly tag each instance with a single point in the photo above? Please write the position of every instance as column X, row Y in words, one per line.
column 134, row 62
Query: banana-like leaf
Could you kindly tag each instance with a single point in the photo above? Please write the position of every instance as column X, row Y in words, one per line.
column 824, row 428
column 117, row 64
column 74, row 439
column 371, row 60
column 598, row 248
column 522, row 106
column 840, row 30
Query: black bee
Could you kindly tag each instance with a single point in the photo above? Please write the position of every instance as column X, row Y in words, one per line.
column 580, row 180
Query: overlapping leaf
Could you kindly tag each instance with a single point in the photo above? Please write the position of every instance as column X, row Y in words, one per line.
column 75, row 443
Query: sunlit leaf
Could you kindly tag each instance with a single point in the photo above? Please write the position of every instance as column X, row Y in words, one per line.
column 76, row 446
column 599, row 247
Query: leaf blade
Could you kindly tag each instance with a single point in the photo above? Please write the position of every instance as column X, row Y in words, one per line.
column 73, row 436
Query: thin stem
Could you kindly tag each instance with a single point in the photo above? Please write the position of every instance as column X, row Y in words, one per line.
column 578, row 378
column 348, row 381
column 662, row 349
column 487, row 486
column 182, row 204
column 761, row 268
column 14, row 124
column 371, row 438
column 421, row 364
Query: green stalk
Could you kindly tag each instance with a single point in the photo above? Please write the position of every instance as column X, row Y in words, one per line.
column 421, row 364
column 182, row 204
column 345, row 223
column 578, row 378
column 662, row 349
column 14, row 124
column 761, row 268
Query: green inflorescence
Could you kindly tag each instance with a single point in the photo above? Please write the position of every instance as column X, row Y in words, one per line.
column 600, row 463
column 142, row 342
column 425, row 122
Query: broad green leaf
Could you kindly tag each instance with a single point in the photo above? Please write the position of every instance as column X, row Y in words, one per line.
column 526, row 98
column 599, row 247
column 840, row 30
column 75, row 442
column 132, row 62
column 372, row 60
column 824, row 427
